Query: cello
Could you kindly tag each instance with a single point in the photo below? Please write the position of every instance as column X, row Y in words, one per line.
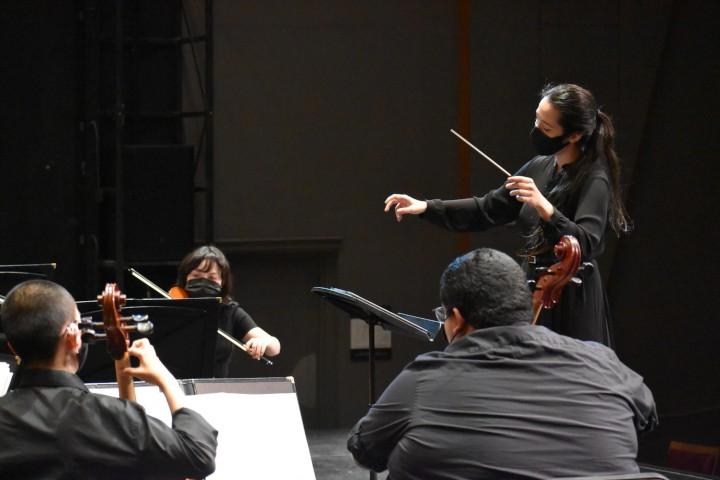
column 550, row 281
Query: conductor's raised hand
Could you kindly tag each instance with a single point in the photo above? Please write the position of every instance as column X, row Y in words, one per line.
column 524, row 190
column 404, row 205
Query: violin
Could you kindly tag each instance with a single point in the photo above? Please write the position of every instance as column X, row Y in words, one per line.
column 548, row 285
column 178, row 293
column 116, row 334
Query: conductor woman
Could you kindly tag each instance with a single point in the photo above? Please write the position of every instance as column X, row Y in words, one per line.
column 572, row 187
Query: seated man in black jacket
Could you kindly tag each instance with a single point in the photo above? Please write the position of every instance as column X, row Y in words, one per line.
column 505, row 399
column 51, row 426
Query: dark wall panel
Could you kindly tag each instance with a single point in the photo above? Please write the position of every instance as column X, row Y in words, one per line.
column 38, row 129
column 323, row 109
column 664, row 284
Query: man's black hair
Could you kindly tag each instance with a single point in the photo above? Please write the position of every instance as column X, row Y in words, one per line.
column 33, row 317
column 488, row 287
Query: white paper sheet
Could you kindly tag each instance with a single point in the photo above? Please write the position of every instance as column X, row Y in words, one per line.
column 5, row 377
column 259, row 435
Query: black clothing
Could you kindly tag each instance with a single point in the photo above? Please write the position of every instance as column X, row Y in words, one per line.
column 52, row 427
column 582, row 312
column 237, row 322
column 507, row 402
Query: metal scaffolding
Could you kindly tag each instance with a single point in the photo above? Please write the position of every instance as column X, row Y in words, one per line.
column 147, row 94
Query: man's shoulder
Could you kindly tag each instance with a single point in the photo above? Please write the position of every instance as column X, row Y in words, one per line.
column 428, row 361
column 519, row 339
column 110, row 405
column 545, row 336
column 517, row 342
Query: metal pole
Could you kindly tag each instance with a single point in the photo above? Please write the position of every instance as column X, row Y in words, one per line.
column 119, row 121
column 209, row 118
column 371, row 372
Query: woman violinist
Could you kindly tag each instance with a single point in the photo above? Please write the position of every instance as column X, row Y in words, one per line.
column 572, row 187
column 205, row 272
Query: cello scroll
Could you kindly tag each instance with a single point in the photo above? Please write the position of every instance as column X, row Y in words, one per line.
column 116, row 328
column 551, row 280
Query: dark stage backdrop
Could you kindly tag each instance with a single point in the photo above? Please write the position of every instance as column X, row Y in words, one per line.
column 664, row 278
column 325, row 107
column 330, row 106
column 39, row 161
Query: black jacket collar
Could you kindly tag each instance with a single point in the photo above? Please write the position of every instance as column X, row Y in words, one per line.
column 36, row 377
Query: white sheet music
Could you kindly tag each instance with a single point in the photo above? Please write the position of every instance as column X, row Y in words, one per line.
column 259, row 435
column 5, row 377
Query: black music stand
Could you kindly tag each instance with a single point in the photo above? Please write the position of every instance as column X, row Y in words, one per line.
column 358, row 307
column 11, row 275
column 184, row 336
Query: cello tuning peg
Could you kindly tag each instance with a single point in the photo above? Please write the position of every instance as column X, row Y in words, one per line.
column 135, row 318
column 589, row 266
column 576, row 280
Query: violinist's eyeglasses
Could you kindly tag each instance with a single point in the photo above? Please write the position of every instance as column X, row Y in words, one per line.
column 440, row 313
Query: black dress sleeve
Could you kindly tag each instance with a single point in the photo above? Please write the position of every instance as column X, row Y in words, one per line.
column 495, row 208
column 590, row 219
column 242, row 323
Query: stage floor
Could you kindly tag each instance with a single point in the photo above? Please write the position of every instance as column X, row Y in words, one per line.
column 330, row 457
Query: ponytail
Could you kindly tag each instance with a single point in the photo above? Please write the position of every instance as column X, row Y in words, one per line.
column 605, row 146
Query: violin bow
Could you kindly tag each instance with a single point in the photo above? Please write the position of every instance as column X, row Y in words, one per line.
column 147, row 282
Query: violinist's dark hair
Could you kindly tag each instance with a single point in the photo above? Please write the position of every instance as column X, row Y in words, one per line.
column 212, row 254
column 580, row 113
column 34, row 315
column 488, row 287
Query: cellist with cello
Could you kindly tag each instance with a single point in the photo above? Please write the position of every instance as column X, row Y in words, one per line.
column 53, row 427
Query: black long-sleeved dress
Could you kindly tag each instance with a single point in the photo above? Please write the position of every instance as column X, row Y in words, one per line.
column 583, row 311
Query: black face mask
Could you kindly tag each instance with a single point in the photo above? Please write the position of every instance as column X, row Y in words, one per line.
column 545, row 145
column 202, row 287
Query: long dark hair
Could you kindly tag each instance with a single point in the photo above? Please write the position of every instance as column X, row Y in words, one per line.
column 580, row 113
column 212, row 254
